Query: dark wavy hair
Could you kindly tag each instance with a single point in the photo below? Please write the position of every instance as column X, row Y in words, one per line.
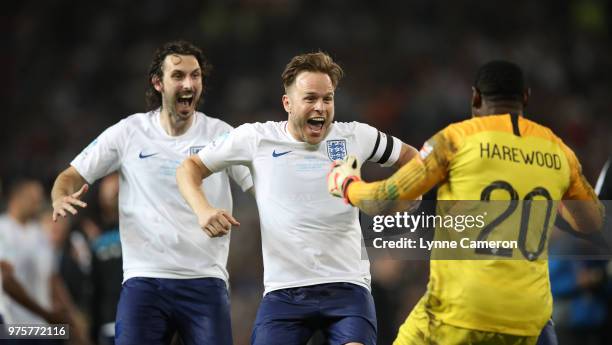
column 152, row 96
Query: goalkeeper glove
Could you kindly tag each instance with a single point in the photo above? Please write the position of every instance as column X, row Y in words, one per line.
column 342, row 174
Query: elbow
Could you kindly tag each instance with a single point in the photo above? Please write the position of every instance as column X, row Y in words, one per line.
column 188, row 172
column 585, row 216
column 591, row 222
column 182, row 171
column 592, row 225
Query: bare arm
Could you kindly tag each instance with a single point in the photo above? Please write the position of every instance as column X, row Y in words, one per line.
column 585, row 216
column 14, row 289
column 580, row 201
column 60, row 293
column 189, row 176
column 67, row 190
column 406, row 154
column 412, row 180
column 77, row 321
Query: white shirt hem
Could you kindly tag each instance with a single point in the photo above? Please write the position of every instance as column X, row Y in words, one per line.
column 171, row 275
column 317, row 281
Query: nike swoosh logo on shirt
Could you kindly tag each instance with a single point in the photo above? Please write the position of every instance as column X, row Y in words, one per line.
column 274, row 154
column 141, row 156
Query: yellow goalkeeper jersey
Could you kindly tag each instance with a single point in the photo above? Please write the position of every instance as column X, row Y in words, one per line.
column 496, row 157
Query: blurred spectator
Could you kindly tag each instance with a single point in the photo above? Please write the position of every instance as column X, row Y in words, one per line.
column 73, row 257
column 580, row 291
column 107, row 272
column 30, row 253
column 581, row 288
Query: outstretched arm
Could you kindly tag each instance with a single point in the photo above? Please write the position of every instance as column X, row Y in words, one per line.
column 421, row 173
column 409, row 183
column 189, row 175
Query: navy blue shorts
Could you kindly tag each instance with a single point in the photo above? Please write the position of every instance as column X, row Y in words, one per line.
column 548, row 336
column 343, row 311
column 151, row 310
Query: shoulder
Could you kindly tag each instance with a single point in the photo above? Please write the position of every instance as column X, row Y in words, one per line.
column 138, row 118
column 212, row 123
column 353, row 129
column 532, row 128
column 472, row 126
column 349, row 127
column 457, row 132
column 133, row 122
column 536, row 129
column 268, row 128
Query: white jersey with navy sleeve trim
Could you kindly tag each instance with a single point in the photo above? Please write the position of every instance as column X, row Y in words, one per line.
column 160, row 235
column 308, row 236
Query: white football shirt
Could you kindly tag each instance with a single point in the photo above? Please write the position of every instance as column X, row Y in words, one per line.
column 160, row 235
column 29, row 251
column 308, row 236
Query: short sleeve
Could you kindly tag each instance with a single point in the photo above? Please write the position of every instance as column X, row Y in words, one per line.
column 235, row 147
column 103, row 155
column 241, row 175
column 377, row 146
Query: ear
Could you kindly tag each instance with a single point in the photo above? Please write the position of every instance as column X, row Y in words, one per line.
column 286, row 103
column 526, row 96
column 476, row 98
column 157, row 84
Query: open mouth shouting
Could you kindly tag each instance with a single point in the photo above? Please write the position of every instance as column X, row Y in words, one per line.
column 315, row 125
column 184, row 103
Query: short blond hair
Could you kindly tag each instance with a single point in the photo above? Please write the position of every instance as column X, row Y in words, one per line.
column 312, row 62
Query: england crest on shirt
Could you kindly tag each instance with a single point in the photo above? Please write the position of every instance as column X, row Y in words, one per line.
column 336, row 149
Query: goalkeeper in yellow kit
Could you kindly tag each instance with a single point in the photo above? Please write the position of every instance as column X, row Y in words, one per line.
column 498, row 154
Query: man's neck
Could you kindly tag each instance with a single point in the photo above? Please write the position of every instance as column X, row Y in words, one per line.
column 498, row 108
column 174, row 125
column 16, row 215
column 293, row 132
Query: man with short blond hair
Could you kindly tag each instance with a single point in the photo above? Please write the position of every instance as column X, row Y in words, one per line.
column 315, row 277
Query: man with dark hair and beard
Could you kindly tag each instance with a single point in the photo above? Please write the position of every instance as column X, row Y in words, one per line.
column 174, row 277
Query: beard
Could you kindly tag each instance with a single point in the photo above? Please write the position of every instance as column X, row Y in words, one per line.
column 179, row 108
